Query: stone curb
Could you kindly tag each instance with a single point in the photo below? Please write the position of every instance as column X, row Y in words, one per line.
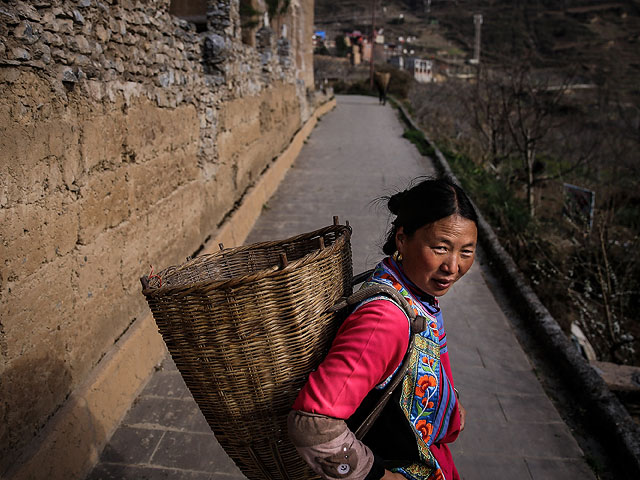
column 614, row 421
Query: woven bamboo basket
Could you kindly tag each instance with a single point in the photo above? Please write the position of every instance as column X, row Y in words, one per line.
column 245, row 326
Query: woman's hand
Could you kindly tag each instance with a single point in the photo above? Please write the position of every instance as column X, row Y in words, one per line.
column 463, row 415
column 392, row 476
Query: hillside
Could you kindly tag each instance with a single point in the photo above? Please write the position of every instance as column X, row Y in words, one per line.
column 598, row 40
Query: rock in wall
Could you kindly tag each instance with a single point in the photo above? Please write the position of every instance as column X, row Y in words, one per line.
column 126, row 136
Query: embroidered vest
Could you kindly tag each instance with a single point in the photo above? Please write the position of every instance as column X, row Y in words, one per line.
column 425, row 396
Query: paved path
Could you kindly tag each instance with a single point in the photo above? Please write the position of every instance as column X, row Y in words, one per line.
column 355, row 155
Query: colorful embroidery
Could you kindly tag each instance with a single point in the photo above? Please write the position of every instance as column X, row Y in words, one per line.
column 419, row 471
column 421, row 394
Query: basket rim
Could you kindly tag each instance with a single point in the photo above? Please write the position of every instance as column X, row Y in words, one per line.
column 344, row 236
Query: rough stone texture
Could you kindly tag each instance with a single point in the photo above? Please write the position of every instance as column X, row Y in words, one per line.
column 620, row 378
column 124, row 144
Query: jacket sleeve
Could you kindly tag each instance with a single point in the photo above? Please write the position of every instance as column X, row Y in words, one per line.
column 331, row 449
column 368, row 348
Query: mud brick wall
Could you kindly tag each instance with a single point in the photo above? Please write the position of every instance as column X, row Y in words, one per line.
column 126, row 137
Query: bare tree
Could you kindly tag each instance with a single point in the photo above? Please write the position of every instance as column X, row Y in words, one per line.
column 527, row 111
column 488, row 117
column 605, row 288
column 531, row 105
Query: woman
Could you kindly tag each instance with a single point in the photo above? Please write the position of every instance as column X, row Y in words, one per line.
column 431, row 244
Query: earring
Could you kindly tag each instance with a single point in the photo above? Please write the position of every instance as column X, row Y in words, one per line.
column 397, row 256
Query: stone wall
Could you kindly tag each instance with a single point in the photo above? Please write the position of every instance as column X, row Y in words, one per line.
column 126, row 138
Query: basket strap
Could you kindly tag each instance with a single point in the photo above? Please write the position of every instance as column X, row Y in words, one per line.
column 361, row 277
column 418, row 324
column 372, row 291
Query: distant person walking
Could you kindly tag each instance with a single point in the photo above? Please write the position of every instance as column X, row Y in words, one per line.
column 382, row 81
column 430, row 246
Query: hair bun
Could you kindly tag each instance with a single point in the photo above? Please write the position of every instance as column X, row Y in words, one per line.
column 396, row 202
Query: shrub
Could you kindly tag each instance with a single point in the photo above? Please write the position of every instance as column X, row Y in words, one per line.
column 417, row 138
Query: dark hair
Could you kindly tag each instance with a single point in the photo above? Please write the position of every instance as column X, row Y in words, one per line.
column 426, row 202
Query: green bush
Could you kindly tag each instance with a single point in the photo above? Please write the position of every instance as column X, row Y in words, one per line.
column 492, row 195
column 341, row 46
column 417, row 138
column 360, row 88
column 321, row 50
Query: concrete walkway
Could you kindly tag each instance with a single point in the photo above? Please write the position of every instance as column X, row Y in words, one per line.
column 355, row 155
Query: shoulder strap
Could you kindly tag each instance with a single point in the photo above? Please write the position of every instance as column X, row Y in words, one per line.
column 418, row 322
column 418, row 325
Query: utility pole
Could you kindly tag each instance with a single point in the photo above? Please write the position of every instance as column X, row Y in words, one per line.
column 477, row 20
column 373, row 39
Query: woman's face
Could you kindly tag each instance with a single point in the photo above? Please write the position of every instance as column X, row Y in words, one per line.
column 439, row 253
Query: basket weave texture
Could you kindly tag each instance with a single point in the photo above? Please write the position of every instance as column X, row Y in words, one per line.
column 245, row 330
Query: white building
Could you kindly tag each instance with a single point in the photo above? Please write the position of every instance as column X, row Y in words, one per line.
column 422, row 70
